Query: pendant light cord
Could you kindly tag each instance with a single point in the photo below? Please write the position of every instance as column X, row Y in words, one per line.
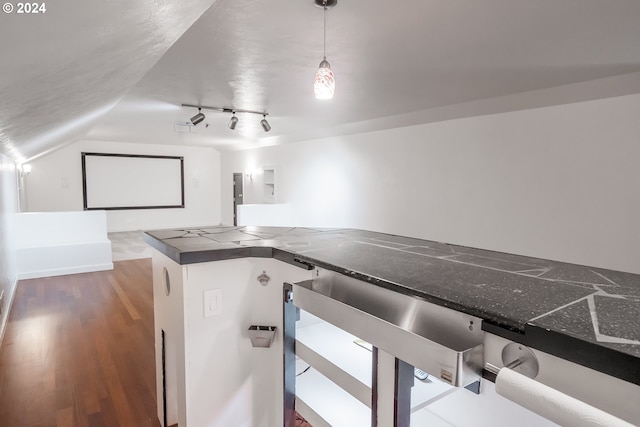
column 324, row 46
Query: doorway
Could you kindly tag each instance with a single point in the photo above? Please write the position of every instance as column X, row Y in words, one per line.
column 237, row 195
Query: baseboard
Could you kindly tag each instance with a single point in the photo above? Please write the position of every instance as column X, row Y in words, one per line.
column 65, row 271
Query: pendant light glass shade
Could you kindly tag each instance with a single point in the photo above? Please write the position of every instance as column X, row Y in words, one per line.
column 324, row 84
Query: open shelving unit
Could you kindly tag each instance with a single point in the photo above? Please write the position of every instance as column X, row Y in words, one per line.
column 332, row 352
column 269, row 185
column 350, row 353
column 335, row 390
column 324, row 404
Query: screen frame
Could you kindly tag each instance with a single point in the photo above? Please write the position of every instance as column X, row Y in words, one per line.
column 84, row 182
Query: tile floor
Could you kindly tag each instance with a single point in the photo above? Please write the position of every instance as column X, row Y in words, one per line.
column 128, row 245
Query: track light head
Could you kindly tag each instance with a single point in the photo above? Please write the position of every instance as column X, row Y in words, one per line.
column 265, row 124
column 233, row 122
column 197, row 118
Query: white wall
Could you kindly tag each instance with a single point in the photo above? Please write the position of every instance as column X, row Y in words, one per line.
column 226, row 381
column 243, row 385
column 8, row 210
column 60, row 243
column 55, row 184
column 559, row 182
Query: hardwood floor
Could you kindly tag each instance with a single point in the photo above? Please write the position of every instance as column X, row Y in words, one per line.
column 79, row 351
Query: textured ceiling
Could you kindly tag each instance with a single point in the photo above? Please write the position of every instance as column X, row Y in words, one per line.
column 391, row 65
column 63, row 69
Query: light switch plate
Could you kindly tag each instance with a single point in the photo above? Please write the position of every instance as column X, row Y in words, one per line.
column 212, row 302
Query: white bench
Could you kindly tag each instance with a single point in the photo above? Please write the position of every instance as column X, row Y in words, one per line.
column 59, row 243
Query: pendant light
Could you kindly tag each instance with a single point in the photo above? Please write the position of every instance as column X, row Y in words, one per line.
column 324, row 85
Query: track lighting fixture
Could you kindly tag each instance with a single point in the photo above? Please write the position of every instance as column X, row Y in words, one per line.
column 324, row 84
column 197, row 118
column 265, row 124
column 233, row 122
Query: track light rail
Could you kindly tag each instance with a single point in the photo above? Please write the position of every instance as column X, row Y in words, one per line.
column 226, row 110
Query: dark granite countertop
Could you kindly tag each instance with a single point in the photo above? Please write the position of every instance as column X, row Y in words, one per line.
column 588, row 315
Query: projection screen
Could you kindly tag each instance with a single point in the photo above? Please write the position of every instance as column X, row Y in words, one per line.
column 132, row 181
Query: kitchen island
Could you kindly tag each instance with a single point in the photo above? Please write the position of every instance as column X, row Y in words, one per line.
column 587, row 316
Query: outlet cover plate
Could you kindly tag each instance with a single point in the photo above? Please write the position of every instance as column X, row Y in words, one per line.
column 212, row 302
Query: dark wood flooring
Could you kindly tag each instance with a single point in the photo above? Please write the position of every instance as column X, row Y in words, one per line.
column 79, row 351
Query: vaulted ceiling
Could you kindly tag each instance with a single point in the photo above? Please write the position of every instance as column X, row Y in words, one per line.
column 120, row 70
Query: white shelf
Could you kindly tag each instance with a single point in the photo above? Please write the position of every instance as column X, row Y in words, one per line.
column 337, row 360
column 427, row 391
column 310, row 415
column 487, row 409
column 423, row 418
column 338, row 347
column 327, row 404
column 269, row 185
column 269, row 176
